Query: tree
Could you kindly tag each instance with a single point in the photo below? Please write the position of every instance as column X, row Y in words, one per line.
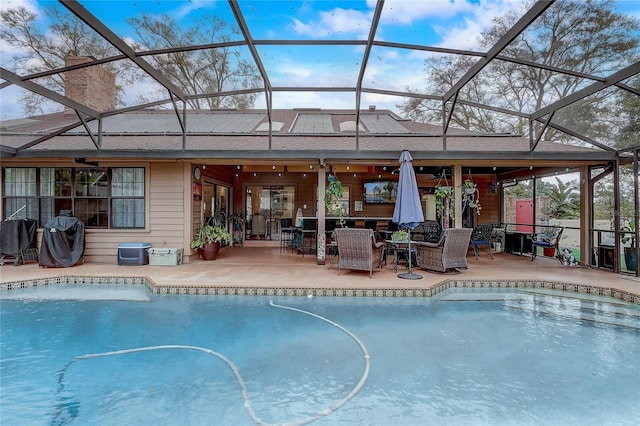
column 586, row 36
column 42, row 49
column 627, row 118
column 523, row 189
column 206, row 71
column 564, row 200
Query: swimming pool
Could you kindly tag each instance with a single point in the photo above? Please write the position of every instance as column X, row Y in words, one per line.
column 465, row 357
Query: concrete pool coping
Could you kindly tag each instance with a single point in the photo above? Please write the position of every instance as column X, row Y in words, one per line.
column 269, row 272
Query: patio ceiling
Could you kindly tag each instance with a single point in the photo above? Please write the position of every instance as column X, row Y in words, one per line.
column 355, row 81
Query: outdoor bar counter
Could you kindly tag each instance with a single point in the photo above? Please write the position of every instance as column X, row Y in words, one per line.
column 359, row 220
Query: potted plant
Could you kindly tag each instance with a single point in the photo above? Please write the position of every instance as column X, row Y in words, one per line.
column 208, row 239
column 237, row 219
column 546, row 234
column 400, row 236
column 470, row 195
column 442, row 194
column 629, row 241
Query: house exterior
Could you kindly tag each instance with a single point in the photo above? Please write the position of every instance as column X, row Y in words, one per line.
column 154, row 175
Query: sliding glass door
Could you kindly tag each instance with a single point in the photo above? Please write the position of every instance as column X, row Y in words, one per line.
column 266, row 205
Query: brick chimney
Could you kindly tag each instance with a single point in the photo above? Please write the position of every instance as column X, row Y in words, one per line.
column 92, row 86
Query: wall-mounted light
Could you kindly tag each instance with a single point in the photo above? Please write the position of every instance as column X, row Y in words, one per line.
column 493, row 187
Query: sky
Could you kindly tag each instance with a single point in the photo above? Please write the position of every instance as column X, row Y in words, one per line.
column 450, row 23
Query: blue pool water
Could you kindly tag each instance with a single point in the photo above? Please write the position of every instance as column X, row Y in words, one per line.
column 462, row 358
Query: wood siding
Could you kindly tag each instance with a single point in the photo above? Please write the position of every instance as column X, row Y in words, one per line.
column 165, row 215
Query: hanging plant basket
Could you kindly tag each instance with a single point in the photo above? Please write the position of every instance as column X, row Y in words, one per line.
column 470, row 195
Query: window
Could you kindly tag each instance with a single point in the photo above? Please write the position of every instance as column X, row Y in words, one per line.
column 99, row 197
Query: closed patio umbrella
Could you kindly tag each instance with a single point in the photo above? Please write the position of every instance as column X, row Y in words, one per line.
column 408, row 210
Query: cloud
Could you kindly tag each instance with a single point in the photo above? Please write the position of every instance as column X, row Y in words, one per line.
column 338, row 22
column 30, row 5
column 403, row 12
column 11, row 110
column 464, row 33
column 191, row 6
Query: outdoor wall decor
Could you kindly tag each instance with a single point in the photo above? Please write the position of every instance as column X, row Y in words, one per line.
column 197, row 191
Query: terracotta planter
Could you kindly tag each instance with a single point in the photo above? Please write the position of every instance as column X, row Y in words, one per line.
column 209, row 251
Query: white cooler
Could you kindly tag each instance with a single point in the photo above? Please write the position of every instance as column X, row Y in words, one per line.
column 165, row 256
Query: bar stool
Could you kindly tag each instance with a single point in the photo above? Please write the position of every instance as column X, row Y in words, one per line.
column 287, row 231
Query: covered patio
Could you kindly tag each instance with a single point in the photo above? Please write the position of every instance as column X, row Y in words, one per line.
column 263, row 270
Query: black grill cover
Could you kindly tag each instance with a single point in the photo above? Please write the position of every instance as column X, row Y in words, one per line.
column 16, row 235
column 62, row 242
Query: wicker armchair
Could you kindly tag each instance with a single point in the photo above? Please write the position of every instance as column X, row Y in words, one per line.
column 358, row 249
column 448, row 253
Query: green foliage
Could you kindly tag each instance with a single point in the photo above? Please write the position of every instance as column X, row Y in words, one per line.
column 207, row 234
column 442, row 193
column 237, row 218
column 400, row 236
column 629, row 227
column 564, row 199
column 470, row 195
column 333, row 196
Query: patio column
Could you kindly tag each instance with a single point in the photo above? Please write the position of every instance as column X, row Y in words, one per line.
column 586, row 212
column 457, row 197
column 320, row 208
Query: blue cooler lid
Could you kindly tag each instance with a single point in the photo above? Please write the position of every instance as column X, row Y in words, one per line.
column 134, row 245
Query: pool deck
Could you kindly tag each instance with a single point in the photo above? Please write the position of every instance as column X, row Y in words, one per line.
column 268, row 267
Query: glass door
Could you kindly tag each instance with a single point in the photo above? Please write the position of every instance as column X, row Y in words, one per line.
column 266, row 205
column 216, row 204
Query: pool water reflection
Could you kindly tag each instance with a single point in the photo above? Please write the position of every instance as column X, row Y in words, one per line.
column 465, row 357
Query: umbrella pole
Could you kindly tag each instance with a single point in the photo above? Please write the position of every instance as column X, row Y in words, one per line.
column 409, row 275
